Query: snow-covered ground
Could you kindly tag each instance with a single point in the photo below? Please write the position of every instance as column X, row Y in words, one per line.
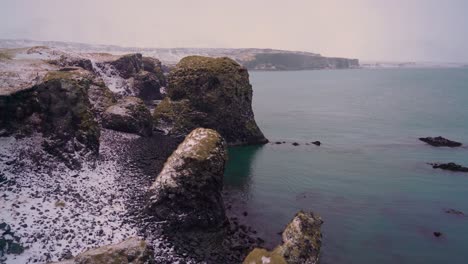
column 57, row 211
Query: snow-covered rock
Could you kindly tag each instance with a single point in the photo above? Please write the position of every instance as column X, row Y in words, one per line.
column 187, row 192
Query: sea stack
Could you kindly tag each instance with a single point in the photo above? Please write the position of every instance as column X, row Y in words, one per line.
column 212, row 93
column 187, row 193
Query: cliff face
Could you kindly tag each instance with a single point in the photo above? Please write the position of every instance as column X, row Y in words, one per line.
column 292, row 61
column 212, row 93
column 60, row 110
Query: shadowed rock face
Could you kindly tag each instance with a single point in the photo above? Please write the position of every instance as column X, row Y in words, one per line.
column 58, row 108
column 146, row 72
column 129, row 115
column 132, row 250
column 213, row 93
column 187, row 192
column 302, row 240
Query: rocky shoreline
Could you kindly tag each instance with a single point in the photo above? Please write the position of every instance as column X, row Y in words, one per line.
column 81, row 154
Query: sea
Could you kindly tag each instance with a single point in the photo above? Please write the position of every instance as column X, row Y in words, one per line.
column 370, row 180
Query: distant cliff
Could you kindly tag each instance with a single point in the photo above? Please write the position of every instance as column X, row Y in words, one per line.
column 251, row 58
column 297, row 61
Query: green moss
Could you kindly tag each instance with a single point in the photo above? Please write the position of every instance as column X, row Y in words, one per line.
column 259, row 254
column 59, row 75
column 207, row 144
column 5, row 56
column 60, row 204
column 223, row 64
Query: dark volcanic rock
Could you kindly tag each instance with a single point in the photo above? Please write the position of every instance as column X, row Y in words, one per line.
column 58, row 108
column 302, row 240
column 449, row 166
column 129, row 65
column 129, row 115
column 70, row 61
column 213, row 93
column 147, row 74
column 454, row 212
column 187, row 192
column 440, row 142
column 317, row 143
column 133, row 250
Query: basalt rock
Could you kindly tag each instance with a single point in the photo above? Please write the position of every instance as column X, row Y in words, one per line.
column 187, row 193
column 213, row 93
column 302, row 240
column 129, row 115
column 449, row 166
column 440, row 142
column 146, row 72
column 130, row 251
column 58, row 108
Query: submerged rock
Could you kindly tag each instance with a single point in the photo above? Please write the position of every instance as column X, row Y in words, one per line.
column 302, row 240
column 449, row 166
column 133, row 250
column 187, row 192
column 440, row 142
column 129, row 115
column 454, row 212
column 213, row 93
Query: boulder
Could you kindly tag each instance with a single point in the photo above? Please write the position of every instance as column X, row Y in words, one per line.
column 302, row 240
column 213, row 93
column 130, row 251
column 60, row 109
column 146, row 74
column 440, row 142
column 129, row 115
column 187, row 193
column 449, row 166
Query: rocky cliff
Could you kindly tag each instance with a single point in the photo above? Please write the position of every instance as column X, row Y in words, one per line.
column 212, row 93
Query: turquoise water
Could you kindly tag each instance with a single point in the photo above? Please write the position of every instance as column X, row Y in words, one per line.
column 369, row 180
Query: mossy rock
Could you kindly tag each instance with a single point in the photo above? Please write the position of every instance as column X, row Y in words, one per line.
column 302, row 240
column 129, row 115
column 213, row 93
column 133, row 250
column 59, row 108
column 262, row 256
column 186, row 195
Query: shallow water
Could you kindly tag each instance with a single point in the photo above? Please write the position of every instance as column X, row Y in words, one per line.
column 369, row 180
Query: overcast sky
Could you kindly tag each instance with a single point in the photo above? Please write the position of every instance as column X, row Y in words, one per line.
column 393, row 30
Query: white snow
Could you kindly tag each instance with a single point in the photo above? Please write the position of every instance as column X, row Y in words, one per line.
column 61, row 210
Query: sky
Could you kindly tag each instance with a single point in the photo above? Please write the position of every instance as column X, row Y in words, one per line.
column 370, row 30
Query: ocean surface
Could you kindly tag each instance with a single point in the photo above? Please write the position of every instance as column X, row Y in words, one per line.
column 369, row 181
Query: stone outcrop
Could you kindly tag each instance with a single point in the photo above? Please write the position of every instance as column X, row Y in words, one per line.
column 58, row 108
column 146, row 73
column 213, row 93
column 187, row 193
column 302, row 240
column 449, row 166
column 129, row 115
column 130, row 251
column 440, row 142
